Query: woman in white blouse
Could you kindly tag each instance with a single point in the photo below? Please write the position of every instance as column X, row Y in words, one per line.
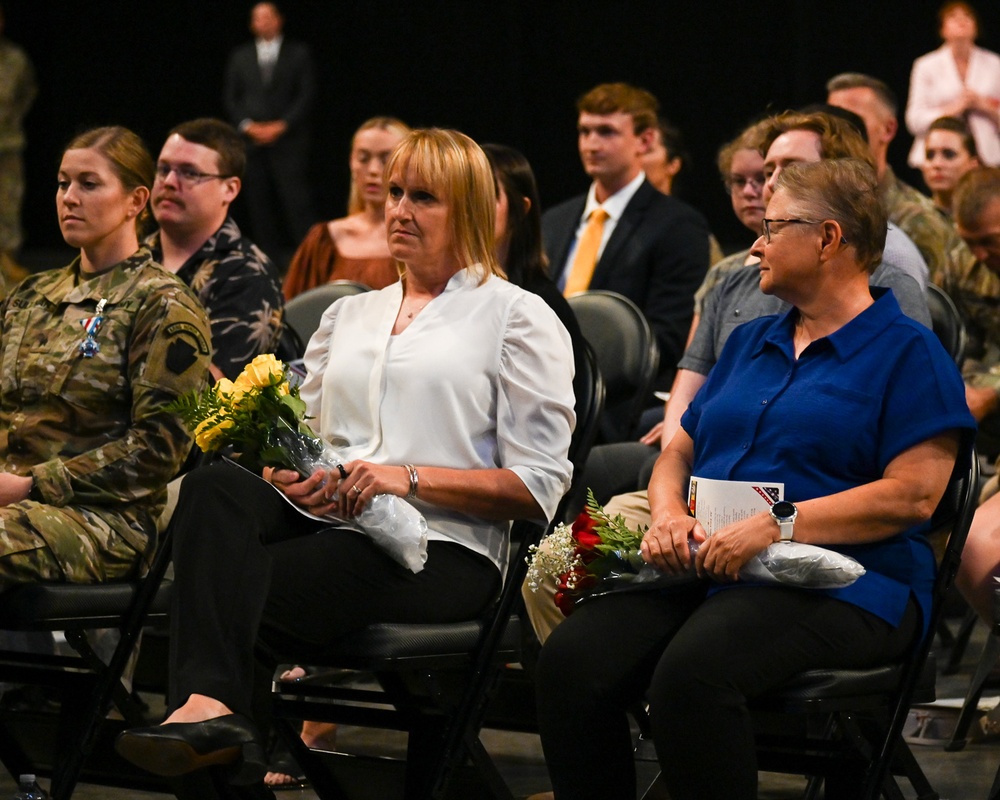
column 956, row 80
column 452, row 388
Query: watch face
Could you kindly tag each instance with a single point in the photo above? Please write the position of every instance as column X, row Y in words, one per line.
column 783, row 510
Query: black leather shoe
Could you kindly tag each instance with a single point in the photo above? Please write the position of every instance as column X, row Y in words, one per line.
column 178, row 748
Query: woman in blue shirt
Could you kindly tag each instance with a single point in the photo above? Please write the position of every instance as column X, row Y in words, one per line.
column 859, row 412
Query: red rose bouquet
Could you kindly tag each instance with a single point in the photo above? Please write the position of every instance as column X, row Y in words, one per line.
column 600, row 550
column 594, row 549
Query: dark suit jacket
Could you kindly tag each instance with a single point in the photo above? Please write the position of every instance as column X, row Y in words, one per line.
column 657, row 257
column 288, row 96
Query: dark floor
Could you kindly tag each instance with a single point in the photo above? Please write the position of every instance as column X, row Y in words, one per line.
column 964, row 775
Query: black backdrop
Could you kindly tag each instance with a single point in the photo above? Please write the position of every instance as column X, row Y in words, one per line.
column 506, row 71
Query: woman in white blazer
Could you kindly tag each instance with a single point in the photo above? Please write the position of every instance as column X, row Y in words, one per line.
column 959, row 80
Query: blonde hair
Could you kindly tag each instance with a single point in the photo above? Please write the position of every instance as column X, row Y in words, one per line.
column 354, row 202
column 455, row 167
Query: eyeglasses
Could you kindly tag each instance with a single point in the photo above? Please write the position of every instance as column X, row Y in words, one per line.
column 738, row 183
column 185, row 175
column 765, row 227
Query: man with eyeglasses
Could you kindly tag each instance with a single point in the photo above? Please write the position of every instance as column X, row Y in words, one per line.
column 198, row 175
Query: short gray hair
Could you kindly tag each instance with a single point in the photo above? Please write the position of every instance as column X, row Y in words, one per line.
column 858, row 80
column 845, row 190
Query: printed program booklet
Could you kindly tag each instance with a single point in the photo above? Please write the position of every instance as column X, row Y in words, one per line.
column 716, row 504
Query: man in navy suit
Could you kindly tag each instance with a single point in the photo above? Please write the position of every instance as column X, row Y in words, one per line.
column 654, row 248
column 268, row 95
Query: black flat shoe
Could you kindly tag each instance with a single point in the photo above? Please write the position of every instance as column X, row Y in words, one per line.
column 182, row 747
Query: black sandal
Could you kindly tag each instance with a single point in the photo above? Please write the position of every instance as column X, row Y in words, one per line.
column 281, row 760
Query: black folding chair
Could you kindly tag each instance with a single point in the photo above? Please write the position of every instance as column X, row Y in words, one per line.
column 858, row 749
column 303, row 312
column 627, row 355
column 86, row 686
column 946, row 322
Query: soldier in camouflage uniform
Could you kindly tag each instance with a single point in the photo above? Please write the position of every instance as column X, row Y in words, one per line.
column 89, row 356
column 976, row 292
column 199, row 174
column 17, row 92
column 911, row 211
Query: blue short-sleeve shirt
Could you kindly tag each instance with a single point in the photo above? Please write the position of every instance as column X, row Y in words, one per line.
column 830, row 421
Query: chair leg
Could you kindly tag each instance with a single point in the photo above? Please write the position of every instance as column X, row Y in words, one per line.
column 991, row 652
column 959, row 643
column 995, row 788
column 906, row 764
column 656, row 790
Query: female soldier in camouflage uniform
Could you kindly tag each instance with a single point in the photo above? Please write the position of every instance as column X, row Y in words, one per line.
column 89, row 356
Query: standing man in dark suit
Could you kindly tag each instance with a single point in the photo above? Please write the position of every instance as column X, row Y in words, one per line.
column 623, row 235
column 268, row 95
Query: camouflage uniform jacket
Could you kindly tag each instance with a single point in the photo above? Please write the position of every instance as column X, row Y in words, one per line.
column 17, row 91
column 240, row 289
column 92, row 431
column 935, row 237
column 976, row 292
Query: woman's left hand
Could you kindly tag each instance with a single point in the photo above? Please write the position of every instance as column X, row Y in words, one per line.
column 364, row 480
column 722, row 555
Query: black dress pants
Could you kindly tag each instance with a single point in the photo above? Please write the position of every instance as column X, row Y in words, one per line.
column 248, row 565
column 696, row 661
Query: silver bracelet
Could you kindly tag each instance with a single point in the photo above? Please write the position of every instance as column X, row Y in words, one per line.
column 414, row 481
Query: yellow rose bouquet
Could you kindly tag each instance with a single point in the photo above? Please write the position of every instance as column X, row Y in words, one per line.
column 260, row 418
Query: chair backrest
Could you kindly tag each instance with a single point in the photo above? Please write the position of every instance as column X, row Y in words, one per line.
column 303, row 312
column 627, row 355
column 946, row 322
column 588, row 386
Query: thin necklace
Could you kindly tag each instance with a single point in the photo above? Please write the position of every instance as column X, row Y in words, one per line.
column 417, row 310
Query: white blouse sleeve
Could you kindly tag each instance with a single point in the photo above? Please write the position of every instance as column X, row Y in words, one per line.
column 315, row 361
column 535, row 416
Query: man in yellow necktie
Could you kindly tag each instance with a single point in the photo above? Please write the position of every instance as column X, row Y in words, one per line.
column 623, row 235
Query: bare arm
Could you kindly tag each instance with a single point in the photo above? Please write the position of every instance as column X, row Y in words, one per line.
column 686, row 386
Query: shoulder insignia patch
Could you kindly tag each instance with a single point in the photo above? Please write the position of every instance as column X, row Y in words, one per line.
column 180, row 356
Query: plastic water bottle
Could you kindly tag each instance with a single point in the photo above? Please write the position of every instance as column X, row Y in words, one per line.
column 28, row 789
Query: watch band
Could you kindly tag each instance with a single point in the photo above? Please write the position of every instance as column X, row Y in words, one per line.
column 784, row 513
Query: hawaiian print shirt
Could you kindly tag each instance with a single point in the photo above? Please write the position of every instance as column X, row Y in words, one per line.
column 240, row 289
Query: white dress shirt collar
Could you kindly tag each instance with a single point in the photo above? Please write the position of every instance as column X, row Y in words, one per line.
column 614, row 205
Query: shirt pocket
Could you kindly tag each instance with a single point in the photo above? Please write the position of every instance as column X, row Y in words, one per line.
column 53, row 364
